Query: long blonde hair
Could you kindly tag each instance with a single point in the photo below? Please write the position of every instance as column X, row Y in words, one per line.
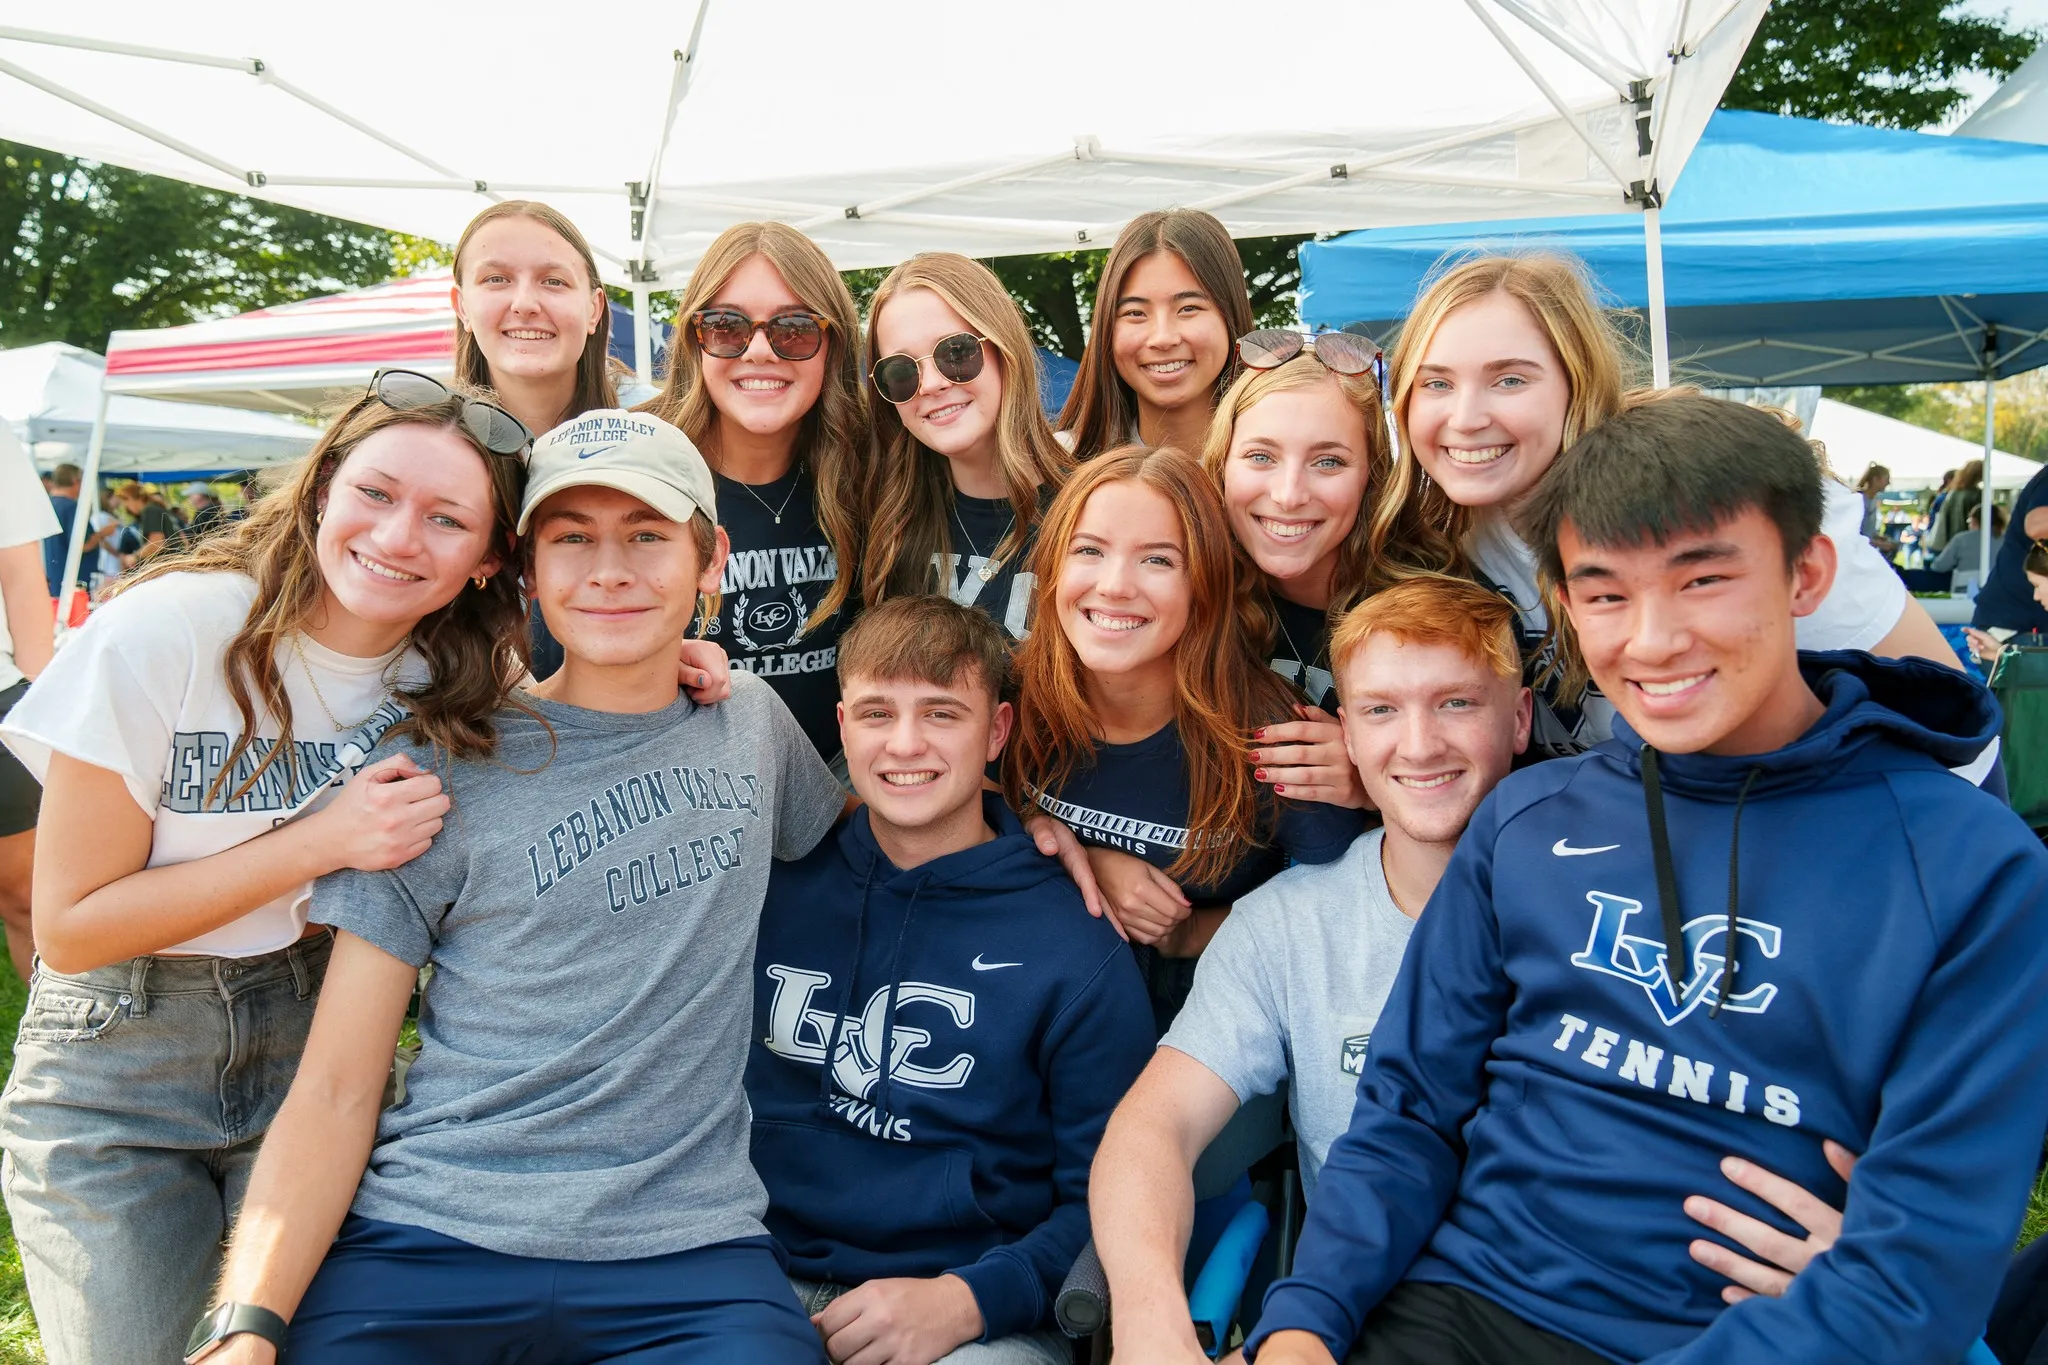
column 1360, row 571
column 1598, row 364
column 909, row 488
column 594, row 387
column 476, row 646
column 834, row 431
column 1222, row 690
column 1101, row 408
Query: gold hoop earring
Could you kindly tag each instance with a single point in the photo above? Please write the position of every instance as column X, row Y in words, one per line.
column 480, row 580
column 319, row 515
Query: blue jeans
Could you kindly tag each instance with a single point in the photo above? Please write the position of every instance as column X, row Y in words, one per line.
column 391, row 1294
column 139, row 1096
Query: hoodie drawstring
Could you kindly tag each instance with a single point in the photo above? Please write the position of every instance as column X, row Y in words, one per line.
column 895, row 981
column 1672, row 914
column 860, row 929
column 1734, row 944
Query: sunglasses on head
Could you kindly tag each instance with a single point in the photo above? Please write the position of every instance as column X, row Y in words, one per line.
column 495, row 429
column 957, row 357
column 727, row 332
column 1345, row 352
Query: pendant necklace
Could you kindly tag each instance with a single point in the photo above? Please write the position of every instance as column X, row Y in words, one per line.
column 775, row 512
column 990, row 567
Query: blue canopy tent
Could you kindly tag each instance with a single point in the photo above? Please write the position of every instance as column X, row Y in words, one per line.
column 1794, row 252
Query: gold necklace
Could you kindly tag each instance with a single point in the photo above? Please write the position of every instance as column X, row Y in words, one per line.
column 990, row 566
column 390, row 681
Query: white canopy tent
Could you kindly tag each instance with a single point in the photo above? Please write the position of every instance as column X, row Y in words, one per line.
column 1857, row 438
column 2017, row 111
column 50, row 394
column 654, row 126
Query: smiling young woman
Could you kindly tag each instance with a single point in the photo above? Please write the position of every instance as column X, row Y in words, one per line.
column 1171, row 301
column 764, row 377
column 1505, row 362
column 196, row 742
column 1135, row 700
column 964, row 460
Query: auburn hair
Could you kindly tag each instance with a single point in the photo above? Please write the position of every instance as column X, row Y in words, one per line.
column 1360, row 571
column 1434, row 609
column 1222, row 689
column 1598, row 359
column 475, row 646
column 1101, row 408
column 909, row 486
column 594, row 388
column 833, row 433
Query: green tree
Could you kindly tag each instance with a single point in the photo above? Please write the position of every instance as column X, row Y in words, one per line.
column 97, row 248
column 1894, row 63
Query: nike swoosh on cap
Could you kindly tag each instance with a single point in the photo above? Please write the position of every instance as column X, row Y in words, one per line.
column 601, row 450
column 981, row 966
column 1564, row 850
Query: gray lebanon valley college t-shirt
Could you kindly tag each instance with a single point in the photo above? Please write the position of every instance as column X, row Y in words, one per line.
column 590, row 909
column 1290, row 988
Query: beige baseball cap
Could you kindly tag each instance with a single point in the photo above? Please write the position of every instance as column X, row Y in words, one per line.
column 630, row 451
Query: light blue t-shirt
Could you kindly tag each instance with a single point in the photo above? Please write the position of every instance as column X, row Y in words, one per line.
column 1290, row 988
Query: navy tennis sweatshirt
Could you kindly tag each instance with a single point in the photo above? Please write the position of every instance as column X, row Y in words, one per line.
column 1014, row 1022
column 1544, row 1088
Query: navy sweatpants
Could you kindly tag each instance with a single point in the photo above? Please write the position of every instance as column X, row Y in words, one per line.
column 389, row 1294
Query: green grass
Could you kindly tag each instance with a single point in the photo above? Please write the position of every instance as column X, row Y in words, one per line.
column 20, row 1345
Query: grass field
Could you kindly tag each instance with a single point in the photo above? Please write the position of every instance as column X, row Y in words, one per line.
column 19, row 1344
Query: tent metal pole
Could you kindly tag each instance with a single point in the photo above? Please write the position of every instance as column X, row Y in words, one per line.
column 1990, row 448
column 643, row 337
column 81, row 523
column 1660, row 339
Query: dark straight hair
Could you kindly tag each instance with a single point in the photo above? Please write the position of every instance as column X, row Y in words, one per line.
column 1101, row 408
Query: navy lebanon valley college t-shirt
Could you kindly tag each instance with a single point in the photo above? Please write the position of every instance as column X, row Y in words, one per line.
column 1134, row 798
column 1301, row 652
column 778, row 573
column 1008, row 590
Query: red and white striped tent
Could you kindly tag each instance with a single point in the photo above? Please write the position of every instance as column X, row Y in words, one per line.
column 294, row 357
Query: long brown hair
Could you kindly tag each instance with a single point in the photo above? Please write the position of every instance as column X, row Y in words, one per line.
column 910, row 490
column 1101, row 408
column 594, row 387
column 475, row 646
column 1359, row 571
column 1598, row 361
column 1222, row 689
column 834, row 431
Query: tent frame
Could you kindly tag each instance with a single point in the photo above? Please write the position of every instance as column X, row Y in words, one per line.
column 1639, row 187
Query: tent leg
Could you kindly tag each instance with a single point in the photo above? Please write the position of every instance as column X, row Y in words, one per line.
column 81, row 524
column 1984, row 518
column 1660, row 340
column 643, row 338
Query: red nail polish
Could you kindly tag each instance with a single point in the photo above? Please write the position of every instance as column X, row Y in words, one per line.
column 1278, row 788
column 1258, row 774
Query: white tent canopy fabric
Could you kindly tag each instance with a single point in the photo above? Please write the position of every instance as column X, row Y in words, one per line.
column 1002, row 131
column 50, row 395
column 1857, row 438
column 2017, row 111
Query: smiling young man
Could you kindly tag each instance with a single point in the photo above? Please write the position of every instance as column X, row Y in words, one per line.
column 930, row 1206
column 1762, row 916
column 567, row 1176
column 1429, row 677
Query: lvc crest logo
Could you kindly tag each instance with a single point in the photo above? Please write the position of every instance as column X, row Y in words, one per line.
column 760, row 623
column 1613, row 951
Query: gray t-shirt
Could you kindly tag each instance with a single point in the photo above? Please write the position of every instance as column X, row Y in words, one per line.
column 590, row 916
column 1290, row 988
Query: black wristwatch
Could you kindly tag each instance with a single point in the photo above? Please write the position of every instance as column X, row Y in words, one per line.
column 232, row 1319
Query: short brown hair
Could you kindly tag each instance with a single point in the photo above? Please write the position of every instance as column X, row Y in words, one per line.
column 1433, row 609
column 925, row 639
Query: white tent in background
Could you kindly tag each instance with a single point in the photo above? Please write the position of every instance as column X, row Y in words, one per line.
column 50, row 395
column 1857, row 438
column 2017, row 111
column 1004, row 130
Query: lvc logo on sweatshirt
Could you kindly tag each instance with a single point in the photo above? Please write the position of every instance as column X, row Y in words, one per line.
column 801, row 1033
column 1613, row 951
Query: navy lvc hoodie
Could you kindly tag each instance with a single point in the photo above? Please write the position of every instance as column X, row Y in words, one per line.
column 1543, row 1089
column 1013, row 1022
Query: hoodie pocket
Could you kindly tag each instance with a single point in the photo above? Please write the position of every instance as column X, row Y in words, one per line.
column 833, row 1183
